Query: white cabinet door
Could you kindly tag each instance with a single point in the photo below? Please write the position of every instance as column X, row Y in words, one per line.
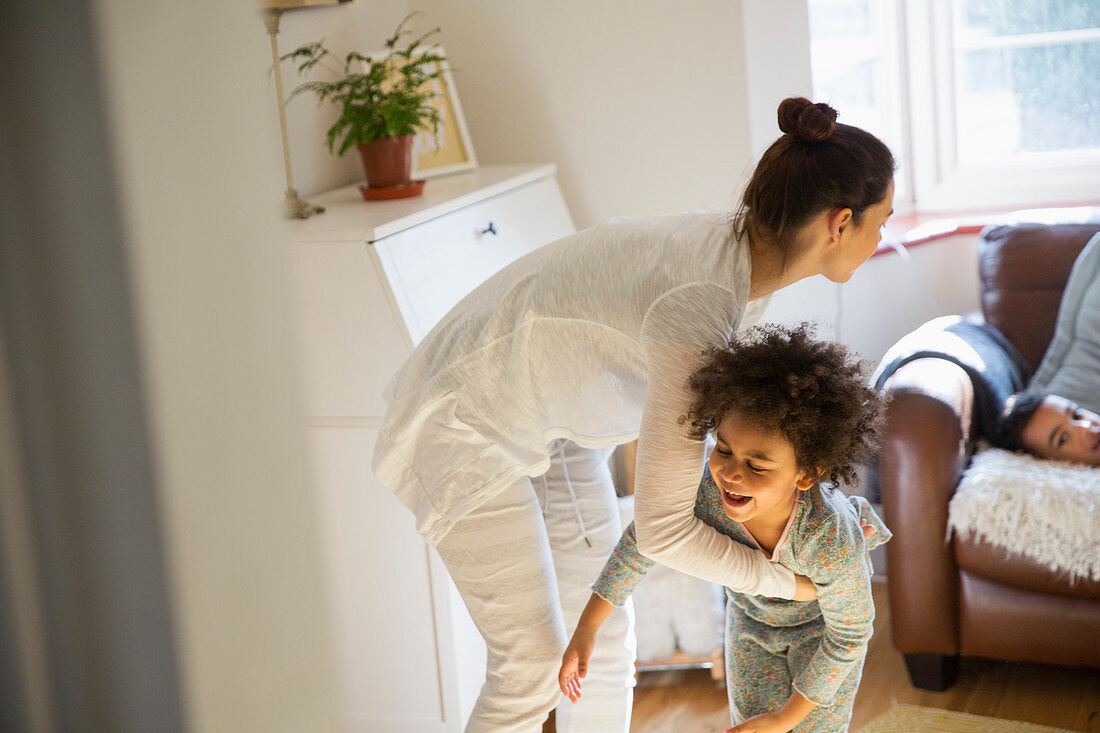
column 410, row 658
column 381, row 591
column 432, row 266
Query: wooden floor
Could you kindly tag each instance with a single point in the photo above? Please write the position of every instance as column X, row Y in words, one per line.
column 689, row 702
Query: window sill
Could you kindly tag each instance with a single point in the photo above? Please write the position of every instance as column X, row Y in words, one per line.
column 916, row 228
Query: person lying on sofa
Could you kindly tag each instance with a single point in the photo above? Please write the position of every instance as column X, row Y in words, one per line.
column 1049, row 425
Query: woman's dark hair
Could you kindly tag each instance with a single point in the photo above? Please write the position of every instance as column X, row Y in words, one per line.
column 817, row 164
column 814, row 393
column 1015, row 415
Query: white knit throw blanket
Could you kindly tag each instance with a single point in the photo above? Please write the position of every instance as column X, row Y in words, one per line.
column 1046, row 510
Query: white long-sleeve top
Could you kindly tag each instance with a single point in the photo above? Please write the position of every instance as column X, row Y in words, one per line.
column 590, row 338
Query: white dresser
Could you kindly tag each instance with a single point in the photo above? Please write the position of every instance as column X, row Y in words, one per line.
column 370, row 280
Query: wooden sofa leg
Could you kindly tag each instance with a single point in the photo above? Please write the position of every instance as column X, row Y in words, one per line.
column 932, row 671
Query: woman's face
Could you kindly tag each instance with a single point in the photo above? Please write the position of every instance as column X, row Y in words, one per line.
column 859, row 242
column 1062, row 430
column 756, row 471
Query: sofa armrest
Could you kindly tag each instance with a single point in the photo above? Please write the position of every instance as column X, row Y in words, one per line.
column 926, row 447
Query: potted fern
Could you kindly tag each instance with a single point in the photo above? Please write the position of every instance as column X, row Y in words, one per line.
column 383, row 101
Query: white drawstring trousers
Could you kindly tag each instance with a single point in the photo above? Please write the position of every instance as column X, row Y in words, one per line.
column 523, row 567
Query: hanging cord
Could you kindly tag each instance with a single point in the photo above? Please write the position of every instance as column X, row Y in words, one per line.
column 573, row 494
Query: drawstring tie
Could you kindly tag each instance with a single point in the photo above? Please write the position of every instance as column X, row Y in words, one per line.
column 573, row 494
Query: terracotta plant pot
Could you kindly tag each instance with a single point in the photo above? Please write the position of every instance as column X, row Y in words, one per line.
column 387, row 162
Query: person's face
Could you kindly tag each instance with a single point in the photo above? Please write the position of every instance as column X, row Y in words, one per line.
column 1062, row 430
column 856, row 243
column 756, row 471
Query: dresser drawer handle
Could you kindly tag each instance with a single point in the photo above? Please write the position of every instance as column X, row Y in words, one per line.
column 491, row 229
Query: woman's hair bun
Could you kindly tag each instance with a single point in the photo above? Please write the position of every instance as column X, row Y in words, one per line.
column 802, row 118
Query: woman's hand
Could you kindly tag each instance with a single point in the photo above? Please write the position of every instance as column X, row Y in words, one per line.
column 804, row 589
column 574, row 663
column 766, row 723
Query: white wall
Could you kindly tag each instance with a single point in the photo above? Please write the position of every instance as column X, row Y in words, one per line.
column 641, row 105
column 887, row 297
column 777, row 59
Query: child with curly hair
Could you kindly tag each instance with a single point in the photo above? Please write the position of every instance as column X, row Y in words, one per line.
column 790, row 416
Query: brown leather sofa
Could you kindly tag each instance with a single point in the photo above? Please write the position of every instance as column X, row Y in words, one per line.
column 960, row 596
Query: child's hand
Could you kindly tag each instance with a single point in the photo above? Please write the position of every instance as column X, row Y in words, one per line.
column 868, row 530
column 766, row 723
column 574, row 663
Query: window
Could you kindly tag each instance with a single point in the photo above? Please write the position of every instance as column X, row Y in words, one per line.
column 986, row 102
column 857, row 70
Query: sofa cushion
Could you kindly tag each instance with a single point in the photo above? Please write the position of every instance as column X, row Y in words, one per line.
column 1045, row 510
column 1071, row 365
column 975, row 555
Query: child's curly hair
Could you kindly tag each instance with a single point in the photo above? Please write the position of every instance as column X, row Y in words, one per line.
column 814, row 393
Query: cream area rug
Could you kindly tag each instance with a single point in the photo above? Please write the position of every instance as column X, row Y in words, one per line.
column 916, row 719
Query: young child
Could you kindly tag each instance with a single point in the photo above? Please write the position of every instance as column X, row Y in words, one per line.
column 788, row 413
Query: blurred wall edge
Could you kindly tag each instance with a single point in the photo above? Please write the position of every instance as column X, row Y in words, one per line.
column 160, row 562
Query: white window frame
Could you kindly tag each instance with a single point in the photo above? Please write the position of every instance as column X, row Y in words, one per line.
column 777, row 65
column 940, row 181
column 892, row 91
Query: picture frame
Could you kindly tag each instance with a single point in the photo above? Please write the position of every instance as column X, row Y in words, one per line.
column 451, row 150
